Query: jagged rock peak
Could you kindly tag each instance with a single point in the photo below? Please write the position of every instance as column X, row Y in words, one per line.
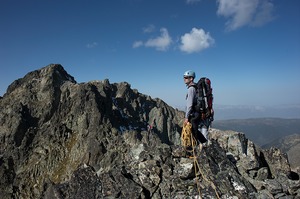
column 53, row 72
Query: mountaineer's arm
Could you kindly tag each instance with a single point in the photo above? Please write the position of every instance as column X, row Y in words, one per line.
column 189, row 101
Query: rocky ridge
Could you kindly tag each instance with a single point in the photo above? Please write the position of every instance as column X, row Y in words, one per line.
column 61, row 139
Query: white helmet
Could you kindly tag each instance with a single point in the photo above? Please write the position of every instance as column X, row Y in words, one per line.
column 189, row 73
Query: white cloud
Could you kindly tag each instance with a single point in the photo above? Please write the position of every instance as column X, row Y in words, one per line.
column 245, row 12
column 192, row 1
column 161, row 42
column 149, row 28
column 137, row 44
column 92, row 45
column 195, row 41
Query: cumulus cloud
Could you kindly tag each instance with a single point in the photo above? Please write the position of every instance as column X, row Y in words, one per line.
column 192, row 1
column 92, row 45
column 196, row 41
column 245, row 12
column 161, row 42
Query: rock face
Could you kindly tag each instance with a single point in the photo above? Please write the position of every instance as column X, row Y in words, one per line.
column 61, row 139
column 290, row 145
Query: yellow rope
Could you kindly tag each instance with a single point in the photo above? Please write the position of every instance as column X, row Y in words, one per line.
column 195, row 166
column 188, row 139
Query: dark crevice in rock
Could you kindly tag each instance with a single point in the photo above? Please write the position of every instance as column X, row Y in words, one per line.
column 30, row 137
column 264, row 163
column 293, row 176
column 146, row 192
column 26, row 122
column 127, row 175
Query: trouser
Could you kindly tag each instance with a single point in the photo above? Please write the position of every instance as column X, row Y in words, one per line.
column 204, row 131
column 201, row 136
column 203, row 127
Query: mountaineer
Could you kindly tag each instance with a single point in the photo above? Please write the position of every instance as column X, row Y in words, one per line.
column 199, row 111
column 190, row 115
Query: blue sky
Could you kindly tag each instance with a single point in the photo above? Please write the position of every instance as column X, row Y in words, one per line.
column 249, row 49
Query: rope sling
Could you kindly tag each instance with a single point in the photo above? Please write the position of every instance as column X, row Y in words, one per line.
column 188, row 140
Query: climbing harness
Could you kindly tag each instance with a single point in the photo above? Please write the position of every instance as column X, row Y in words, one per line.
column 188, row 140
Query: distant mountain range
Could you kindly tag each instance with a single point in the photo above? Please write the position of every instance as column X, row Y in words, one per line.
column 261, row 130
column 223, row 112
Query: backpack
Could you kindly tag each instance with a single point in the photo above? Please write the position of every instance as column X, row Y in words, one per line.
column 204, row 98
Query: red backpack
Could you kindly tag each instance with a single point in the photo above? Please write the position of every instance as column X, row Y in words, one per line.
column 204, row 96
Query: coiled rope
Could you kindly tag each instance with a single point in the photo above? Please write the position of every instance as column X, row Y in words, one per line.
column 188, row 140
